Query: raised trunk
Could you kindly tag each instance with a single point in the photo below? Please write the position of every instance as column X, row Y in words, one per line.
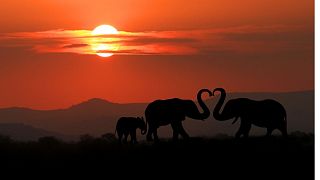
column 216, row 111
column 206, row 111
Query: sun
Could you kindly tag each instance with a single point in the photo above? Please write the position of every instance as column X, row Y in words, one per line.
column 104, row 29
column 102, row 44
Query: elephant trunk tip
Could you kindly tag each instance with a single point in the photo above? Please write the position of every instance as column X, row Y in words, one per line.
column 218, row 89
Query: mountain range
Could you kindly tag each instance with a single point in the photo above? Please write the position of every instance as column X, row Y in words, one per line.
column 99, row 116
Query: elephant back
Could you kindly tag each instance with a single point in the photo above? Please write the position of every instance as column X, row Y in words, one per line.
column 165, row 111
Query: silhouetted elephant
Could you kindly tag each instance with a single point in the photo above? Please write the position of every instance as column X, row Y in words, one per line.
column 266, row 113
column 174, row 111
column 128, row 125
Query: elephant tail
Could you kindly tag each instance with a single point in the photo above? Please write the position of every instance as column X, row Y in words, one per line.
column 284, row 128
column 115, row 131
column 285, row 117
column 147, row 123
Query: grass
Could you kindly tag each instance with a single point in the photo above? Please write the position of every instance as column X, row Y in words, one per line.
column 275, row 156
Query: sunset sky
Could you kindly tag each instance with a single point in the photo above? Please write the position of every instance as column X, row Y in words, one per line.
column 164, row 49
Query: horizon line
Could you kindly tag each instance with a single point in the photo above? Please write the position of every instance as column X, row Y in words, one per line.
column 126, row 103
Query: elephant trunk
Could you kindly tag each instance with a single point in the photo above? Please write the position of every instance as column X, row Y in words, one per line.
column 216, row 111
column 206, row 111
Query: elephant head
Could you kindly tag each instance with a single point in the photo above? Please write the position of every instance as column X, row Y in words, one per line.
column 142, row 125
column 190, row 109
column 232, row 109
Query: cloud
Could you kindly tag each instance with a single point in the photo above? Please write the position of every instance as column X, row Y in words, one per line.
column 156, row 40
column 242, row 39
column 75, row 45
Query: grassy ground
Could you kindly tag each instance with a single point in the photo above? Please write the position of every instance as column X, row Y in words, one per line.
column 270, row 158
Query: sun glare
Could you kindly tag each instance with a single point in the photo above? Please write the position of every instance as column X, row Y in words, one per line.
column 104, row 29
column 101, row 45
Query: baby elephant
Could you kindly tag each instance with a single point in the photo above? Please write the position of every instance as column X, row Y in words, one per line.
column 128, row 125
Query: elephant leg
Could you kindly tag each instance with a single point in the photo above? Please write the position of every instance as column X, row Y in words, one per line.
column 283, row 130
column 150, row 132
column 133, row 136
column 182, row 131
column 269, row 132
column 120, row 134
column 126, row 137
column 239, row 132
column 175, row 131
column 244, row 129
column 155, row 135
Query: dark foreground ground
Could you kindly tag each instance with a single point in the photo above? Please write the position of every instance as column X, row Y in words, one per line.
column 254, row 158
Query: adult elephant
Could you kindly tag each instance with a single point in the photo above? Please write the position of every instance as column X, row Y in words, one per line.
column 174, row 111
column 267, row 113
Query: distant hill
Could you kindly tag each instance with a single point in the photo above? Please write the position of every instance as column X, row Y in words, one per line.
column 95, row 116
column 98, row 116
column 24, row 132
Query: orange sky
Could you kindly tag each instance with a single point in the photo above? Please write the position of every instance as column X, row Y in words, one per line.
column 173, row 49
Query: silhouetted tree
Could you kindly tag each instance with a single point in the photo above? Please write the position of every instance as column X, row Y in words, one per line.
column 109, row 137
column 86, row 138
column 299, row 134
column 5, row 139
column 49, row 140
column 302, row 136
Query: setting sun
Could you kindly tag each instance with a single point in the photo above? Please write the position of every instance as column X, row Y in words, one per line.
column 104, row 29
column 101, row 45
